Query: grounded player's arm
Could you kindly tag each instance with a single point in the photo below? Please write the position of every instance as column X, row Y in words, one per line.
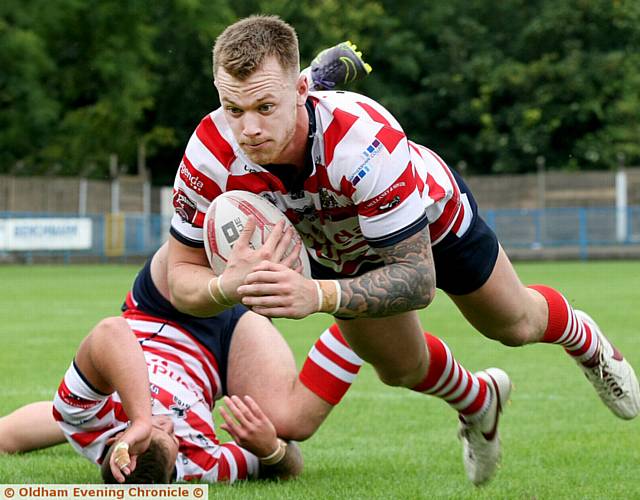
column 252, row 429
column 406, row 282
column 111, row 360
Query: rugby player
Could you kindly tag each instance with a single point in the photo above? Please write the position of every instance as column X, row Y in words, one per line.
column 385, row 221
column 191, row 362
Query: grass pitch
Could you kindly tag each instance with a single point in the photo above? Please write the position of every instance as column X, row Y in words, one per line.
column 559, row 441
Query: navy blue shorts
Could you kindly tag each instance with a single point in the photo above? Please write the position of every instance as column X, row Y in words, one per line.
column 463, row 264
column 214, row 333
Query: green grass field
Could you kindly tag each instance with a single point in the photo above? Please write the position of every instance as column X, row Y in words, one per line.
column 559, row 441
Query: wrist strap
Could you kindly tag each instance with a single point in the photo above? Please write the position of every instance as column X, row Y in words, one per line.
column 277, row 455
column 336, row 283
column 320, row 295
column 222, row 294
column 224, row 301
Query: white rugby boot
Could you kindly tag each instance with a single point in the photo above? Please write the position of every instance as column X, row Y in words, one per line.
column 612, row 377
column 480, row 439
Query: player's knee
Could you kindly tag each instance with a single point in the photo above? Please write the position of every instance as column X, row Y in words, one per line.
column 112, row 327
column 515, row 335
column 295, row 428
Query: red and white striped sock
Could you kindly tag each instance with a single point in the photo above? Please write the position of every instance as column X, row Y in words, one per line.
column 449, row 380
column 330, row 367
column 564, row 327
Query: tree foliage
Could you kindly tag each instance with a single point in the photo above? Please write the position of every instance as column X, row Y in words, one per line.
column 490, row 85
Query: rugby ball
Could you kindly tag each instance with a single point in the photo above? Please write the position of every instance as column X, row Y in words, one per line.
column 225, row 219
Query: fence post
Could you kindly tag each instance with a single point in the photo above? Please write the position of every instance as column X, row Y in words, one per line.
column 622, row 227
column 542, row 201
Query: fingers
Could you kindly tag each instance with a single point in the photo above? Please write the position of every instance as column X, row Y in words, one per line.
column 247, row 231
column 255, row 409
column 283, row 245
column 275, row 237
column 120, row 461
column 239, row 410
column 291, row 259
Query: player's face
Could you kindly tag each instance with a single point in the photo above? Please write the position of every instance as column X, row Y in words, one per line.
column 262, row 110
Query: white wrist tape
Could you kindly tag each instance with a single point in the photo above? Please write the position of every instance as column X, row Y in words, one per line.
column 336, row 283
column 320, row 295
column 222, row 294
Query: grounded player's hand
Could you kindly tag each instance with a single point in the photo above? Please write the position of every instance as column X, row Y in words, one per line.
column 249, row 426
column 276, row 291
column 244, row 257
column 129, row 444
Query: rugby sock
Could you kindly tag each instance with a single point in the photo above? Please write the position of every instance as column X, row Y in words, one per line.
column 330, row 367
column 564, row 327
column 449, row 380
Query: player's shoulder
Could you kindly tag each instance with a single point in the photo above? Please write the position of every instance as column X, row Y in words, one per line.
column 346, row 107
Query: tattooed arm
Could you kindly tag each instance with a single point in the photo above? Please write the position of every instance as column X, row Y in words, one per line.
column 406, row 282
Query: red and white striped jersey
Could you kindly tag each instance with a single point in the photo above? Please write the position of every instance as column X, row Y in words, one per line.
column 368, row 186
column 184, row 384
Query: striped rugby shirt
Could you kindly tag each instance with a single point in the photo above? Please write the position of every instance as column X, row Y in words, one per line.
column 184, row 384
column 367, row 185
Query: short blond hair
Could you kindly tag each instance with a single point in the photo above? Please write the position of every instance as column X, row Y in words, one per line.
column 242, row 47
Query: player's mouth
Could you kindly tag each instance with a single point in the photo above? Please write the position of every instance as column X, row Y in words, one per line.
column 255, row 146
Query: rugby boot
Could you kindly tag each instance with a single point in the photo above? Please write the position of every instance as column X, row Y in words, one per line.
column 338, row 65
column 480, row 438
column 612, row 376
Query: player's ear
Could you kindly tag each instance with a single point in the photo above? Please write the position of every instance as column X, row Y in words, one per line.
column 302, row 90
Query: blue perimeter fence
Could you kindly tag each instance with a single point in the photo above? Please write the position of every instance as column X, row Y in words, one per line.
column 130, row 235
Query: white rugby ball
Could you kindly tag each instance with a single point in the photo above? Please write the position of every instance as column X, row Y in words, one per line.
column 226, row 218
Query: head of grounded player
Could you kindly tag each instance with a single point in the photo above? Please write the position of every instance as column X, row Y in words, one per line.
column 256, row 70
column 157, row 464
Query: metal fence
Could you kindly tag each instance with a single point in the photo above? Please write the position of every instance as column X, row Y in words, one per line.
column 125, row 236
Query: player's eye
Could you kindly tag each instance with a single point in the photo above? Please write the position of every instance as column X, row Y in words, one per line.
column 266, row 108
column 233, row 110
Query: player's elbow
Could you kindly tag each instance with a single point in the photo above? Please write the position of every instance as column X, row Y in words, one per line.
column 425, row 289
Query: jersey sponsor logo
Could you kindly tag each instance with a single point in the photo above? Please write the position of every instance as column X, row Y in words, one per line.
column 368, row 154
column 185, row 208
column 190, row 178
column 384, row 201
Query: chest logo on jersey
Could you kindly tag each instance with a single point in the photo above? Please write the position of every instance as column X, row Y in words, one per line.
column 190, row 178
column 185, row 208
column 368, row 154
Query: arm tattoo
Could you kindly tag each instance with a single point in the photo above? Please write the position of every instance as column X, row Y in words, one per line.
column 406, row 281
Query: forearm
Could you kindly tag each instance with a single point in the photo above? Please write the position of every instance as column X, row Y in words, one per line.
column 406, row 282
column 112, row 360
column 193, row 287
column 195, row 290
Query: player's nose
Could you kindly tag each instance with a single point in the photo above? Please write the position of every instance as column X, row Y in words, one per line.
column 251, row 125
